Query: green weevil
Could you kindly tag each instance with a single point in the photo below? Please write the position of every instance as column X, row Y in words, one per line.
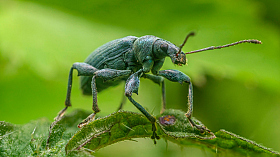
column 128, row 59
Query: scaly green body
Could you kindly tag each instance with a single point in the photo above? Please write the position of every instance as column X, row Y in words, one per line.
column 128, row 59
column 113, row 55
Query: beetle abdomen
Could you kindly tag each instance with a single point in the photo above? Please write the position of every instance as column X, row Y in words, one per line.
column 110, row 55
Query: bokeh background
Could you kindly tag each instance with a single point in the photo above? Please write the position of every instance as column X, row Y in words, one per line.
column 237, row 88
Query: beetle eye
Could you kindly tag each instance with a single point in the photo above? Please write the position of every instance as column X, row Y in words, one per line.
column 164, row 47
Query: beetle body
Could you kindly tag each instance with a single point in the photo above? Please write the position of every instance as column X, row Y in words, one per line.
column 128, row 53
column 128, row 59
column 110, row 55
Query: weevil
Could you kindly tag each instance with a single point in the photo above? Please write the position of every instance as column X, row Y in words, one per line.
column 128, row 59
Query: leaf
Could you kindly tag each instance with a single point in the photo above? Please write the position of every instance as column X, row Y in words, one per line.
column 66, row 124
column 30, row 139
column 124, row 125
column 111, row 129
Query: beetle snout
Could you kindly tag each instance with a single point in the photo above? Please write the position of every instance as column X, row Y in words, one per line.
column 179, row 59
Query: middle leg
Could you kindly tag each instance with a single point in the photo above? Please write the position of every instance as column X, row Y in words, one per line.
column 106, row 75
column 122, row 102
column 178, row 76
column 160, row 81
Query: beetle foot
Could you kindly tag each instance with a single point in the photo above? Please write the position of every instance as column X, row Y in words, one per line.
column 87, row 120
column 201, row 128
column 60, row 114
column 58, row 117
column 154, row 136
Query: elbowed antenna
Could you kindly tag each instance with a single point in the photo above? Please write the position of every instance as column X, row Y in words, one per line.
column 181, row 46
column 227, row 45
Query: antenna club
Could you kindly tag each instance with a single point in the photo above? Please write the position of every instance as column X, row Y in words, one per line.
column 256, row 41
column 192, row 34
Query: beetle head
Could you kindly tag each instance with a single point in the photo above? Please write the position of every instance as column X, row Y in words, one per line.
column 180, row 57
column 175, row 53
column 163, row 48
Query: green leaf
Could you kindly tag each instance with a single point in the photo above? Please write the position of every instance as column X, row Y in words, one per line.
column 31, row 139
column 123, row 125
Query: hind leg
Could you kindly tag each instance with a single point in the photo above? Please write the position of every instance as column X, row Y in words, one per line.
column 83, row 69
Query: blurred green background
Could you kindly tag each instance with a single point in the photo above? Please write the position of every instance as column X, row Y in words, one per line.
column 237, row 88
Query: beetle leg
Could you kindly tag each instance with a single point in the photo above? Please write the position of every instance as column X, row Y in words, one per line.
column 178, row 76
column 106, row 75
column 67, row 101
column 83, row 69
column 131, row 86
column 148, row 115
column 94, row 104
column 122, row 102
column 160, row 81
column 163, row 97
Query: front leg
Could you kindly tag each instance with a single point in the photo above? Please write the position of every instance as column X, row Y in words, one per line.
column 131, row 86
column 178, row 76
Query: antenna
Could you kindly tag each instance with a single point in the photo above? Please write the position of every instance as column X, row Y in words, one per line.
column 181, row 46
column 254, row 41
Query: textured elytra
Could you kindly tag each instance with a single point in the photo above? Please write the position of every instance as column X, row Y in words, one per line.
column 110, row 55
